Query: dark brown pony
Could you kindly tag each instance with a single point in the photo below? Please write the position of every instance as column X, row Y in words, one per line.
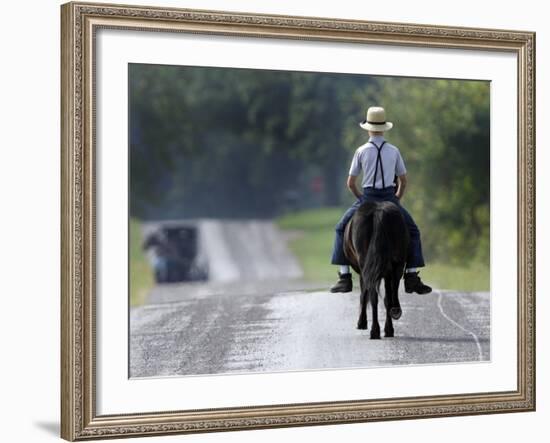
column 375, row 242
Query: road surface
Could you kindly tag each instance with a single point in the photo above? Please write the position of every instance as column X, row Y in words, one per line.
column 198, row 329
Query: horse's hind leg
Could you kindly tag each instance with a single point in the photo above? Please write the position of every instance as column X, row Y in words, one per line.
column 375, row 329
column 388, row 326
column 395, row 310
column 362, row 322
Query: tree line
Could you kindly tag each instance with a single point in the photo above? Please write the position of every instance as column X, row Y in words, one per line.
column 242, row 143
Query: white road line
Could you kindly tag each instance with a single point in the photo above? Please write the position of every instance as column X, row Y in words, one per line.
column 474, row 336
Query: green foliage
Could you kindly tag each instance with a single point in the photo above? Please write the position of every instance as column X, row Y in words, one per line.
column 442, row 130
column 141, row 274
column 243, row 143
column 245, row 137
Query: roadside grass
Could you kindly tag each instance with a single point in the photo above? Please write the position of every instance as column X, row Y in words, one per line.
column 311, row 242
column 472, row 278
column 141, row 275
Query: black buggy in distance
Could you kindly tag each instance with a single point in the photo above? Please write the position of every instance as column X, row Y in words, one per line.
column 173, row 251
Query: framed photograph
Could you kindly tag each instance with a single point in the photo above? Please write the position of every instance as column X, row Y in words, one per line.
column 277, row 221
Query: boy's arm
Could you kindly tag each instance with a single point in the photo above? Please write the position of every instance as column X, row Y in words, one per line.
column 401, row 173
column 352, row 186
column 354, row 171
column 401, row 185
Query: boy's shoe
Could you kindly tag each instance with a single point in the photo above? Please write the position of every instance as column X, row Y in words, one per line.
column 344, row 283
column 414, row 284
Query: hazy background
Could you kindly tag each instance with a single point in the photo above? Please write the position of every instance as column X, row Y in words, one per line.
column 239, row 144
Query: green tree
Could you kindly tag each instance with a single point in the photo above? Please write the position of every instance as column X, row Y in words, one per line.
column 442, row 129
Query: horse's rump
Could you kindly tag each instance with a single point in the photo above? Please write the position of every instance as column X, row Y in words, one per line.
column 376, row 242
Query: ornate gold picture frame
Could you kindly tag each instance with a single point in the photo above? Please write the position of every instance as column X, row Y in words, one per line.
column 80, row 23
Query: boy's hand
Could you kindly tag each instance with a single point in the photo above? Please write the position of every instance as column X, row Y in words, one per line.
column 350, row 183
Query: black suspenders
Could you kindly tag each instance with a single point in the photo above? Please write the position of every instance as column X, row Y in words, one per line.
column 378, row 160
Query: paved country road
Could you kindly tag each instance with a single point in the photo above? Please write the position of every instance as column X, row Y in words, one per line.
column 243, row 331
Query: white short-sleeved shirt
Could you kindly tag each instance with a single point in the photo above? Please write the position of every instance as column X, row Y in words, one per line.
column 364, row 161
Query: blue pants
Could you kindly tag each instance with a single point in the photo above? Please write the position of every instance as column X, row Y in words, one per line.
column 414, row 256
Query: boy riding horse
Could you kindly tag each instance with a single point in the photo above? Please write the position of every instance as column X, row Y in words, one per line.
column 380, row 162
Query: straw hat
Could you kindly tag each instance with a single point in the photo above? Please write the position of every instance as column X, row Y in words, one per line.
column 376, row 120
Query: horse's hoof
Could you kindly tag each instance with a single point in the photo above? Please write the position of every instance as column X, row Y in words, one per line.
column 362, row 325
column 388, row 334
column 375, row 336
column 395, row 313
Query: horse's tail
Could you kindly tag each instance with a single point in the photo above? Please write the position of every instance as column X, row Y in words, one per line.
column 383, row 237
column 378, row 257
